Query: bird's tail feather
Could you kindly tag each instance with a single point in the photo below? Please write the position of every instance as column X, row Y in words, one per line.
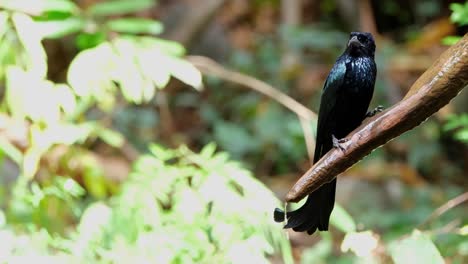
column 314, row 214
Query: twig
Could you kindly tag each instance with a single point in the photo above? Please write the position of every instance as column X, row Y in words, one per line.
column 446, row 206
column 451, row 227
column 434, row 89
column 210, row 67
column 309, row 139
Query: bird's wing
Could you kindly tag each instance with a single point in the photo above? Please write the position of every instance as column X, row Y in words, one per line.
column 333, row 83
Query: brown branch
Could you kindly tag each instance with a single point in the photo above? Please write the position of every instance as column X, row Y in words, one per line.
column 447, row 206
column 434, row 89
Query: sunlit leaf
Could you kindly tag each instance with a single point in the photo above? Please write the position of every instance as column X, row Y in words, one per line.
column 418, row 248
column 119, row 7
column 129, row 77
column 160, row 152
column 10, row 150
column 167, row 47
column 72, row 187
column 190, row 203
column 2, row 219
column 450, row 40
column 3, row 23
column 186, row 72
column 67, row 134
column 362, row 244
column 135, row 26
column 208, row 150
column 152, row 63
column 59, row 28
column 111, row 137
column 37, row 7
column 65, row 98
column 30, row 96
column 94, row 181
column 342, row 220
column 459, row 13
column 30, row 38
column 93, row 221
column 16, row 92
column 464, row 230
column 30, row 164
column 93, row 70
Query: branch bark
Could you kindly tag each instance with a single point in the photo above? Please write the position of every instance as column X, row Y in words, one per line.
column 434, row 89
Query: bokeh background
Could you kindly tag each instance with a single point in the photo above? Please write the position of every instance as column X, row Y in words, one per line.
column 139, row 131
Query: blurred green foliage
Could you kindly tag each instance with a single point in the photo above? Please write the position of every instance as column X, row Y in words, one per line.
column 179, row 206
column 201, row 208
column 458, row 125
column 459, row 16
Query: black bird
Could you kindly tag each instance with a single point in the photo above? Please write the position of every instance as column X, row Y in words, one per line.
column 345, row 98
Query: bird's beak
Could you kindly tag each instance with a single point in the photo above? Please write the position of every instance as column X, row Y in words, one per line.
column 354, row 42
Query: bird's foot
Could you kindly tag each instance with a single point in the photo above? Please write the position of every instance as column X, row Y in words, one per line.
column 376, row 110
column 337, row 143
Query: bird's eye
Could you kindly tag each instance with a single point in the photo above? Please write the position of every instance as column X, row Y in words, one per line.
column 361, row 38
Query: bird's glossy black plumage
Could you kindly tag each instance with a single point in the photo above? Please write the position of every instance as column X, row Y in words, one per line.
column 346, row 96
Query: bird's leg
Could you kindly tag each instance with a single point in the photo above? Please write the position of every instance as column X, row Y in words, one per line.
column 337, row 143
column 376, row 110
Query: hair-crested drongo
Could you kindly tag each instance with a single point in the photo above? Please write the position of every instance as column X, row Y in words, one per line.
column 345, row 98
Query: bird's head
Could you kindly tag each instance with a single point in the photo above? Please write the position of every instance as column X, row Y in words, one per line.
column 361, row 44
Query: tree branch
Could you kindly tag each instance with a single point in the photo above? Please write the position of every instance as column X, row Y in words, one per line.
column 434, row 89
column 210, row 67
column 447, row 206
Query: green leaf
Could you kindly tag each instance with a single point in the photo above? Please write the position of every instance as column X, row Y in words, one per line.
column 65, row 98
column 113, row 138
column 461, row 135
column 93, row 221
column 128, row 75
column 186, row 72
column 67, row 134
column 91, row 72
column 37, row 7
column 450, row 40
column 119, row 7
column 150, row 62
column 71, row 187
column 30, row 38
column 208, row 151
column 10, row 150
column 362, row 244
column 135, row 26
column 342, row 220
column 418, row 248
column 90, row 40
column 3, row 220
column 459, row 13
column 30, row 96
column 164, row 46
column 54, row 29
column 31, row 162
